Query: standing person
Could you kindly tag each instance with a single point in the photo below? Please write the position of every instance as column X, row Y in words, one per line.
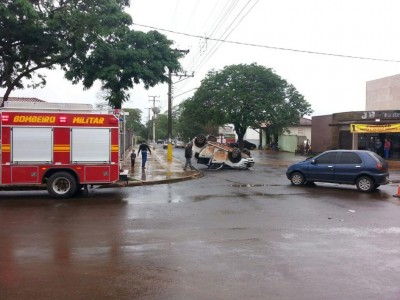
column 144, row 148
column 378, row 146
column 188, row 156
column 133, row 157
column 371, row 144
column 307, row 147
column 386, row 148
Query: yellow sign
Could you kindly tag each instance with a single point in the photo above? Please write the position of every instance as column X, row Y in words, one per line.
column 88, row 120
column 366, row 128
column 34, row 119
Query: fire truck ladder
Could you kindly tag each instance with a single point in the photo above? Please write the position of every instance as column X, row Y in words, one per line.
column 46, row 106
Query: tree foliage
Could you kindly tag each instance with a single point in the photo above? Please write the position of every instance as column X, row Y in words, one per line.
column 188, row 124
column 133, row 120
column 89, row 39
column 162, row 126
column 246, row 96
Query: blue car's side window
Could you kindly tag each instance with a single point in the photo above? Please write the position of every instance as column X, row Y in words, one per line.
column 326, row 158
column 349, row 158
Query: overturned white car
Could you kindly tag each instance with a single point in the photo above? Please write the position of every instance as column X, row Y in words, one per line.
column 216, row 155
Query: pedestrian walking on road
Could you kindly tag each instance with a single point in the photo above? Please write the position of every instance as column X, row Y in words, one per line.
column 144, row 148
column 188, row 156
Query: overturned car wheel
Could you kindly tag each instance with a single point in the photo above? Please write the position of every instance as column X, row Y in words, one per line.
column 235, row 156
column 246, row 151
column 200, row 140
column 212, row 138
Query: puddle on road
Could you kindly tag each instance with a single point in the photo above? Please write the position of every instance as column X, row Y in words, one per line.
column 255, row 185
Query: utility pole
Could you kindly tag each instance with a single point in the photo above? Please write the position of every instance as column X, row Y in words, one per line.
column 148, row 121
column 155, row 112
column 169, row 151
column 170, row 83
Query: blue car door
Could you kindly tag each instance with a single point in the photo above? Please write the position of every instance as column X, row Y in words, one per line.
column 322, row 168
column 347, row 167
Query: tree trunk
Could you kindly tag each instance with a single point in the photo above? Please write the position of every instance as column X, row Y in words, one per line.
column 5, row 97
column 240, row 131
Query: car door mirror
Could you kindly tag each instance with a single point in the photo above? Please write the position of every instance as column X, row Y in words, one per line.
column 313, row 162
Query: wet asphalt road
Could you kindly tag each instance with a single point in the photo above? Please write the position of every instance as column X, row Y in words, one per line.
column 229, row 235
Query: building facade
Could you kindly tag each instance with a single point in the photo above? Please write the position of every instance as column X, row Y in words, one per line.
column 296, row 136
column 383, row 94
column 354, row 130
column 362, row 129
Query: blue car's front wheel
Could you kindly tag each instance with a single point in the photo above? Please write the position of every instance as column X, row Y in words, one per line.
column 297, row 178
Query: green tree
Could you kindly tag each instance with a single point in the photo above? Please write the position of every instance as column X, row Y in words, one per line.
column 187, row 125
column 162, row 126
column 89, row 39
column 133, row 120
column 246, row 96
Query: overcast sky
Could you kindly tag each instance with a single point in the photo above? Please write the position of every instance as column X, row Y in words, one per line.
column 259, row 31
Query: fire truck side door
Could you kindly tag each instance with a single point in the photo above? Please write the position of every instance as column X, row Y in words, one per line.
column 31, row 144
column 91, row 145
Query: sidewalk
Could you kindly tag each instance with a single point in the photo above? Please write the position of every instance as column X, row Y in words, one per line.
column 160, row 170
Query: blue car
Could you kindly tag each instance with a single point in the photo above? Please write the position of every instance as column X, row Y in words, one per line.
column 366, row 169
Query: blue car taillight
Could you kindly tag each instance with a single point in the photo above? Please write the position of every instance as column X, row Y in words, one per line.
column 379, row 166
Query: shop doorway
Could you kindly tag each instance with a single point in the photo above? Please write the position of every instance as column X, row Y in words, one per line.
column 345, row 138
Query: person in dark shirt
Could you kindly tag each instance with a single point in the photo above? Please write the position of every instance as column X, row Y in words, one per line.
column 144, row 148
column 188, row 156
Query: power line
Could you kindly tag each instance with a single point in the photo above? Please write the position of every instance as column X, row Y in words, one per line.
column 271, row 47
column 197, row 65
column 224, row 13
column 222, row 39
column 176, row 96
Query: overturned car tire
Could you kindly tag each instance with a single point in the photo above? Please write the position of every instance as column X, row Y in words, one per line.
column 246, row 151
column 235, row 156
column 200, row 140
column 212, row 138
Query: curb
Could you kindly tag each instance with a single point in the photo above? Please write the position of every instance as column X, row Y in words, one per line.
column 153, row 182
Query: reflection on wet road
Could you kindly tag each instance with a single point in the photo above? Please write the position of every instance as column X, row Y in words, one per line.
column 228, row 235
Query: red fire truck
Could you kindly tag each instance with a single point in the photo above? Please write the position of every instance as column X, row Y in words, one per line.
column 62, row 146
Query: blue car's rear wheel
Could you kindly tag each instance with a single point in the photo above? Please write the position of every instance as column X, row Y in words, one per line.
column 297, row 178
column 365, row 184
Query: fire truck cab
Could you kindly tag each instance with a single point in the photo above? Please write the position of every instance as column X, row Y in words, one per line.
column 62, row 146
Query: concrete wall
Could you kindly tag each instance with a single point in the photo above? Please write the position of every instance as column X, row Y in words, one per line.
column 301, row 131
column 321, row 133
column 288, row 142
column 252, row 136
column 383, row 93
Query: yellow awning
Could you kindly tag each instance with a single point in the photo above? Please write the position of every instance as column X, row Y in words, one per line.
column 367, row 128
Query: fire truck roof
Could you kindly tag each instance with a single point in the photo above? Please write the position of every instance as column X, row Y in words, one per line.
column 22, row 99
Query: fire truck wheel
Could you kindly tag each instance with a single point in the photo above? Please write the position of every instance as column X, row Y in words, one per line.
column 235, row 156
column 62, row 185
column 200, row 140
